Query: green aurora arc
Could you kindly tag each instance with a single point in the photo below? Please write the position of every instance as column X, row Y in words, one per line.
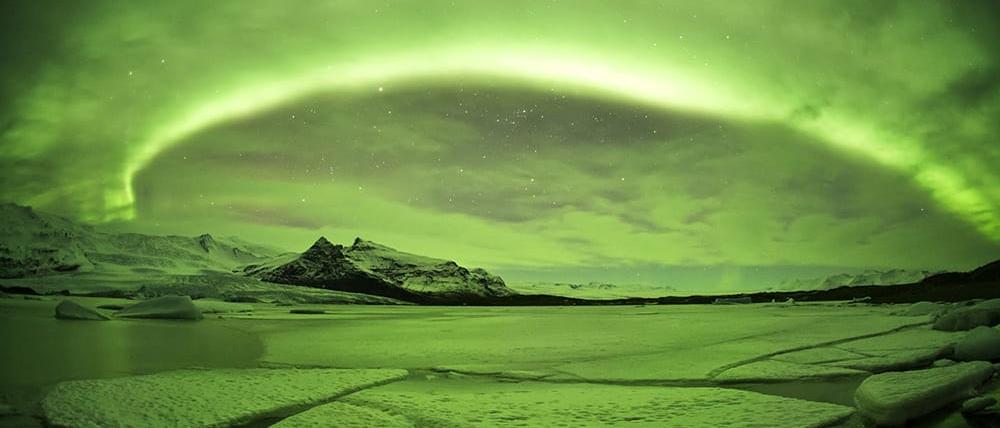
column 909, row 86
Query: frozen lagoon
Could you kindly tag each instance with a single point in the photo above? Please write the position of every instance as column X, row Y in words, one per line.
column 693, row 365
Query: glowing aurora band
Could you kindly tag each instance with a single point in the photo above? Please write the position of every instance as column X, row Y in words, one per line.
column 562, row 70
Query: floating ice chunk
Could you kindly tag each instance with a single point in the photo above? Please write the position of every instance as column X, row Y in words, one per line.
column 169, row 307
column 343, row 415
column 920, row 338
column 823, row 354
column 212, row 306
column 774, row 371
column 891, row 360
column 920, row 309
column 499, row 371
column 944, row 362
column 985, row 313
column 977, row 404
column 981, row 343
column 201, row 398
column 539, row 404
column 895, row 397
column 70, row 310
column 988, row 304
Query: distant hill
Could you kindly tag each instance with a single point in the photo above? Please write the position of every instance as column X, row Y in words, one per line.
column 47, row 254
column 371, row 268
column 988, row 273
column 37, row 244
column 868, row 277
column 592, row 290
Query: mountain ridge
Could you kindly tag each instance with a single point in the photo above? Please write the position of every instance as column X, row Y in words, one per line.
column 373, row 268
column 34, row 243
column 48, row 254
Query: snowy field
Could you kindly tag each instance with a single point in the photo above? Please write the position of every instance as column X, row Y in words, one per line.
column 692, row 366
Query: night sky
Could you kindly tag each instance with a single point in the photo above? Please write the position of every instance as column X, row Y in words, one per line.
column 699, row 144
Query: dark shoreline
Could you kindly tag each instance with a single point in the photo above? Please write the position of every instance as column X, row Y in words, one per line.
column 933, row 290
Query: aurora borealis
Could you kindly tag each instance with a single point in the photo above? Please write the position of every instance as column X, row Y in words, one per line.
column 638, row 138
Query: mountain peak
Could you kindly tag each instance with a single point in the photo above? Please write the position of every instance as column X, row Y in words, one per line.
column 363, row 245
column 371, row 268
column 323, row 247
column 206, row 241
column 322, row 242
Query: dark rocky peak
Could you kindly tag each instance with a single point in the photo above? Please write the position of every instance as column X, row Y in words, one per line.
column 323, row 248
column 206, row 241
column 362, row 245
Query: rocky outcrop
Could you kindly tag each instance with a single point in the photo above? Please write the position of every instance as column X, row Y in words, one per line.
column 367, row 267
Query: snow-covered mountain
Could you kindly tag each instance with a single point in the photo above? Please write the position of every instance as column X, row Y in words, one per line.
column 592, row 290
column 868, row 277
column 38, row 244
column 367, row 267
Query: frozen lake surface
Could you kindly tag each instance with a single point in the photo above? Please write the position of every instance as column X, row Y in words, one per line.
column 736, row 365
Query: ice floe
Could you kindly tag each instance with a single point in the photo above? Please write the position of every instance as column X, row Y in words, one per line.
column 892, row 398
column 575, row 405
column 201, row 398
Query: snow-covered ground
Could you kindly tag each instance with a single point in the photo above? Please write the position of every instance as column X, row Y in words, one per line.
column 476, row 366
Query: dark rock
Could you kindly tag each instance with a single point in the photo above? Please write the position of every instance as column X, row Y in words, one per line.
column 307, row 311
